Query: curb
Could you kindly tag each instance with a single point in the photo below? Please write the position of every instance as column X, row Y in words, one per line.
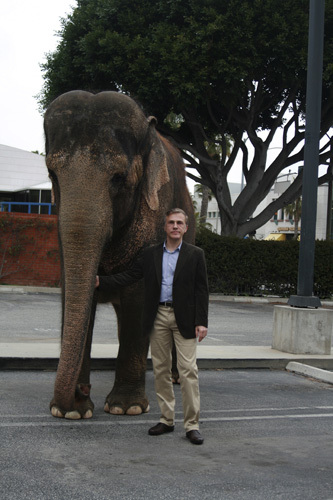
column 45, row 356
column 310, row 371
column 321, row 372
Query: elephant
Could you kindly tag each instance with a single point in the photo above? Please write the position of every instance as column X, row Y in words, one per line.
column 113, row 177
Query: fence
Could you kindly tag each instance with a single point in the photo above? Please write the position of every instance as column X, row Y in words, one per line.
column 9, row 204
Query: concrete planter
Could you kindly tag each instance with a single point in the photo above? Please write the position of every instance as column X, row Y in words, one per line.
column 302, row 330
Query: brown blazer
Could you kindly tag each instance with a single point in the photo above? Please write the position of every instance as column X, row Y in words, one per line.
column 190, row 286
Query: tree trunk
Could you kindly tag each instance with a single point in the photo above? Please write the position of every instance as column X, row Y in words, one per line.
column 204, row 204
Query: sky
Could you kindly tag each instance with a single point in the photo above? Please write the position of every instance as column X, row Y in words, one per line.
column 27, row 32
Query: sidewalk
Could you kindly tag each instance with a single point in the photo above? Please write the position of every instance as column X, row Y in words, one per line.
column 44, row 355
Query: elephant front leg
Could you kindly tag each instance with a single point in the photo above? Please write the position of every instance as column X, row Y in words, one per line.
column 128, row 393
column 83, row 406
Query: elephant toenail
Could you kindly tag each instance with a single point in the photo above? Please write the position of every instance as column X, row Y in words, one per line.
column 55, row 412
column 73, row 415
column 134, row 410
column 116, row 410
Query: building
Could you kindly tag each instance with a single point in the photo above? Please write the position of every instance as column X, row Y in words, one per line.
column 281, row 225
column 24, row 181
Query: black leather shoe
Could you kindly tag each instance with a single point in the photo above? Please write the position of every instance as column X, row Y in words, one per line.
column 160, row 428
column 195, row 437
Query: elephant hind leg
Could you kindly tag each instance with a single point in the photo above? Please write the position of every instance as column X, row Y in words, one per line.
column 128, row 396
column 83, row 405
column 175, row 373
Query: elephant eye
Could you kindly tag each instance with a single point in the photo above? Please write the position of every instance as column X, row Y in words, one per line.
column 118, row 180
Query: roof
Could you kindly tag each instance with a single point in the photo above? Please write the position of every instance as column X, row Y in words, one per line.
column 21, row 170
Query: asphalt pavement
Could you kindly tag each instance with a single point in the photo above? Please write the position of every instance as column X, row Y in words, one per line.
column 268, row 436
column 268, row 432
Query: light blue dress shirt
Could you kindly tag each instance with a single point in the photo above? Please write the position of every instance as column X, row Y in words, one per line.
column 168, row 270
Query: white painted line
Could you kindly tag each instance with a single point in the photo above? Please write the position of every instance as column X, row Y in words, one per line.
column 178, row 412
column 310, row 371
column 112, row 423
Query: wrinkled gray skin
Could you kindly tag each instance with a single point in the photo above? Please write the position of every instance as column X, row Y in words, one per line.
column 113, row 178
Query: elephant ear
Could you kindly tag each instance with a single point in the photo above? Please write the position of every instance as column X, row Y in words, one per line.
column 156, row 174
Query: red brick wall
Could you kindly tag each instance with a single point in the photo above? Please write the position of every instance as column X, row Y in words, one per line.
column 29, row 252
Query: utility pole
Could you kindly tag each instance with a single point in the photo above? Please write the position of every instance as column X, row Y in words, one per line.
column 304, row 297
column 329, row 232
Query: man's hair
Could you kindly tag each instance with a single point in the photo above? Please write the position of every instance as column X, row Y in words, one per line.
column 177, row 211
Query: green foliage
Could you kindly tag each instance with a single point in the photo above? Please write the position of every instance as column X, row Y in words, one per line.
column 323, row 268
column 208, row 70
column 252, row 267
column 180, row 54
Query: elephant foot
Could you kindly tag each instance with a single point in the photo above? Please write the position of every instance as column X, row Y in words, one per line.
column 132, row 410
column 83, row 406
column 118, row 402
column 70, row 415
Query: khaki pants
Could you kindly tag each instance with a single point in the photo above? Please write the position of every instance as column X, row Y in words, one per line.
column 165, row 329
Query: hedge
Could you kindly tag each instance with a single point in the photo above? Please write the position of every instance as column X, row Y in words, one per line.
column 258, row 267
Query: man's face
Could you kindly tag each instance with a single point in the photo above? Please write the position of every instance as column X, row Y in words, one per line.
column 175, row 226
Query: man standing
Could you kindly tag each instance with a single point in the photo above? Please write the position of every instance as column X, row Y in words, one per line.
column 175, row 308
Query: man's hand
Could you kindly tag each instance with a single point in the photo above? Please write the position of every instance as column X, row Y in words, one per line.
column 97, row 282
column 200, row 332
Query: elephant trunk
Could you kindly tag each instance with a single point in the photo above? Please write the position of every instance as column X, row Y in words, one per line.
column 82, row 232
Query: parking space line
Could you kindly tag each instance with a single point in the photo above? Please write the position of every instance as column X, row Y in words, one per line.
column 113, row 423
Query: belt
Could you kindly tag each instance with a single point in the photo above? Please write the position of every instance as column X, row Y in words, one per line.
column 166, row 304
